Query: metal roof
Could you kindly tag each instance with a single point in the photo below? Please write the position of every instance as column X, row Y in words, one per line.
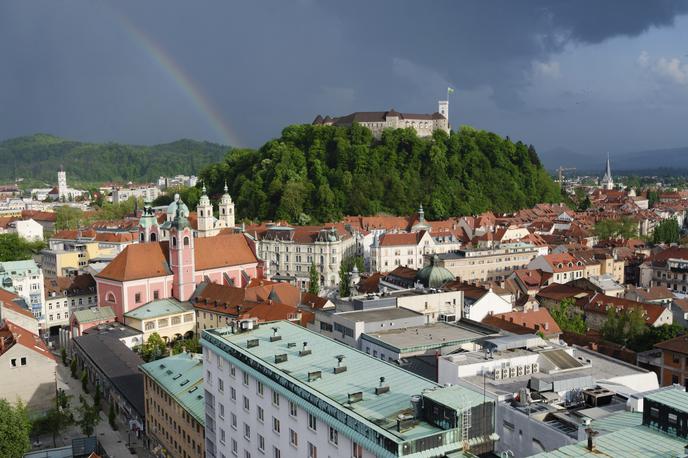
column 161, row 307
column 94, row 314
column 363, row 375
column 181, row 376
column 639, row 441
column 675, row 397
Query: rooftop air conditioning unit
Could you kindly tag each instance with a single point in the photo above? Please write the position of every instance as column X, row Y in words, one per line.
column 498, row 374
column 535, row 367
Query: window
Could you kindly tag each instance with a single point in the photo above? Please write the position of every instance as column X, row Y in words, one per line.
column 221, row 385
column 156, row 294
column 222, row 410
column 312, row 422
column 222, row 436
column 312, row 451
column 234, row 421
column 275, row 425
column 293, row 438
column 235, row 448
column 334, row 436
column 247, row 404
column 276, row 453
column 356, row 450
column 247, row 431
column 13, row 362
column 275, row 398
column 675, row 358
column 232, row 393
column 232, row 371
column 673, row 418
column 247, row 454
column 654, row 412
column 261, row 443
column 246, row 378
column 292, row 409
column 259, row 389
column 261, row 414
column 137, row 298
column 186, row 241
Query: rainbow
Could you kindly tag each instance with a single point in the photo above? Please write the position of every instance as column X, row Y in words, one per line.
column 175, row 71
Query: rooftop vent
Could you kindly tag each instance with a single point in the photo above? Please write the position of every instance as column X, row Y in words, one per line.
column 383, row 388
column 306, row 351
column 291, row 344
column 340, row 368
column 252, row 343
column 280, row 358
column 274, row 337
column 315, row 375
column 355, row 397
column 176, row 376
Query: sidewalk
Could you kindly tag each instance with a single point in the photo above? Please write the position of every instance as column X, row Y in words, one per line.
column 113, row 442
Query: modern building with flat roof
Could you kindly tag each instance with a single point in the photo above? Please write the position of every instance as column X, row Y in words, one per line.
column 282, row 390
column 175, row 405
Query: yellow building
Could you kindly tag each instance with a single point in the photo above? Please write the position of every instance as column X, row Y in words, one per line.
column 175, row 405
column 170, row 318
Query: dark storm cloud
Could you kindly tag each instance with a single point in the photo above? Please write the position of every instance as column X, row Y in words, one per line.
column 74, row 68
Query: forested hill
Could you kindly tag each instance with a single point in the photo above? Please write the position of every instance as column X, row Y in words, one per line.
column 320, row 173
column 38, row 157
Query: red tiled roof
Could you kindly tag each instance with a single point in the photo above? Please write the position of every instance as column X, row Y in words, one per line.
column 559, row 292
column 601, row 303
column 149, row 260
column 313, row 301
column 400, row 239
column 29, row 340
column 7, row 298
column 677, row 344
column 39, row 215
column 272, row 312
column 532, row 278
column 534, row 320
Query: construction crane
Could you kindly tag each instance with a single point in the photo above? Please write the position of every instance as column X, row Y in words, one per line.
column 561, row 171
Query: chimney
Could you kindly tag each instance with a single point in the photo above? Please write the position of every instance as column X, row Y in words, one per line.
column 591, row 438
column 306, row 351
column 340, row 368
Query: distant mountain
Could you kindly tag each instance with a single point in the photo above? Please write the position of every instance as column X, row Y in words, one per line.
column 660, row 160
column 37, row 158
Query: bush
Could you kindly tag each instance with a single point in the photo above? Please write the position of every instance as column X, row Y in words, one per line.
column 84, row 381
column 63, row 355
column 111, row 417
column 73, row 367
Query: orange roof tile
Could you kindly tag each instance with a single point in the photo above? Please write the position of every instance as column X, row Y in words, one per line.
column 149, row 260
column 535, row 320
column 29, row 340
column 7, row 298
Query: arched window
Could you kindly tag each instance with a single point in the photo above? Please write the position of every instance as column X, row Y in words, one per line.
column 174, row 241
column 110, row 297
column 153, row 236
column 223, row 210
column 142, row 237
column 186, row 241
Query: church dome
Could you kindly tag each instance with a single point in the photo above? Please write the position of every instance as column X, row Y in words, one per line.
column 172, row 208
column 434, row 276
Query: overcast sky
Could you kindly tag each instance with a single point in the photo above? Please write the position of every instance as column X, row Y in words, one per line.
column 590, row 75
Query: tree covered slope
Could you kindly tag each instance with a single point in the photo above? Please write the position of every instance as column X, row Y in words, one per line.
column 38, row 157
column 320, row 173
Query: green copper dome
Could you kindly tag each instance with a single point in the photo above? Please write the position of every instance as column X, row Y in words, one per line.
column 434, row 276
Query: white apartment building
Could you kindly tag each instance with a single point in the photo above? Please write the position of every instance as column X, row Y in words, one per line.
column 26, row 280
column 147, row 192
column 488, row 264
column 289, row 252
column 66, row 295
column 279, row 390
column 26, row 229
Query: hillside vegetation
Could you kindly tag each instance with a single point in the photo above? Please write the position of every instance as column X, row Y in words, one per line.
column 320, row 173
column 36, row 158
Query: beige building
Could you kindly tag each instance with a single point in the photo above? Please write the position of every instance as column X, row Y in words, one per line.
column 170, row 318
column 488, row 264
column 407, row 249
column 28, row 368
column 175, row 405
column 66, row 295
column 378, row 121
column 288, row 252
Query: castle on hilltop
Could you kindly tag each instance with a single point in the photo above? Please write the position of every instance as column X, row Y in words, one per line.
column 377, row 121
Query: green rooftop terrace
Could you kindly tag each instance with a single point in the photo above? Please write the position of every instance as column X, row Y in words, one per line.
column 161, row 307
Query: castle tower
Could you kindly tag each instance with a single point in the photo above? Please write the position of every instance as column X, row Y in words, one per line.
column 226, row 209
column 443, row 108
column 206, row 220
column 62, row 183
column 607, row 182
column 182, row 260
column 148, row 225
